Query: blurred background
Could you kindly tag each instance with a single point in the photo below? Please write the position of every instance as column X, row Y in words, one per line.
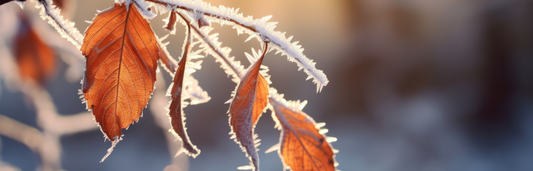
column 415, row 85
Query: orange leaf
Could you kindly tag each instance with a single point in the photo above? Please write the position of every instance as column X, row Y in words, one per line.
column 35, row 59
column 302, row 147
column 176, row 114
column 122, row 52
column 251, row 98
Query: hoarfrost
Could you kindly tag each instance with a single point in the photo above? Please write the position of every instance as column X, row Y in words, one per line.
column 50, row 13
column 231, row 16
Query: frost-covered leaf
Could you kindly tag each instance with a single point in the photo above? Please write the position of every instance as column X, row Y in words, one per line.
column 35, row 59
column 177, row 117
column 122, row 52
column 302, row 147
column 170, row 24
column 251, row 98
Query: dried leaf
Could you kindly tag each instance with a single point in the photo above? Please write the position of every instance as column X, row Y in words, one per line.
column 251, row 98
column 302, row 146
column 122, row 52
column 171, row 22
column 35, row 59
column 177, row 117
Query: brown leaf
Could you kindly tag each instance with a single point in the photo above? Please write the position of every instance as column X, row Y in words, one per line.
column 35, row 59
column 251, row 98
column 171, row 22
column 302, row 147
column 122, row 52
column 177, row 117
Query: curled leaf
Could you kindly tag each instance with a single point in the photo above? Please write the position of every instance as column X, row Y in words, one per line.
column 170, row 24
column 122, row 52
column 302, row 147
column 251, row 98
column 177, row 118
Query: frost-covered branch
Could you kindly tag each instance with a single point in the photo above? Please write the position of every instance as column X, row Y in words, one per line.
column 211, row 46
column 260, row 29
column 66, row 28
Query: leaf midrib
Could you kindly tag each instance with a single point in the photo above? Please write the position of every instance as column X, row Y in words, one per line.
column 120, row 64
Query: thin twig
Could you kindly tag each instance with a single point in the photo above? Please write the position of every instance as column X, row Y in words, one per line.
column 200, row 35
column 258, row 27
column 63, row 26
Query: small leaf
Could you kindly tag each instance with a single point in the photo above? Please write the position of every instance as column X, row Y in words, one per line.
column 251, row 98
column 170, row 24
column 35, row 59
column 302, row 147
column 122, row 52
column 177, row 117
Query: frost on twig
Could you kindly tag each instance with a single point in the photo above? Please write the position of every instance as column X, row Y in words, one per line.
column 261, row 29
column 211, row 45
column 66, row 28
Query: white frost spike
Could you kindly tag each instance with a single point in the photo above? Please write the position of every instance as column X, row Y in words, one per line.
column 247, row 167
column 273, row 148
column 250, row 37
column 249, row 57
column 331, row 139
column 320, row 125
column 266, row 18
column 290, row 38
column 253, row 58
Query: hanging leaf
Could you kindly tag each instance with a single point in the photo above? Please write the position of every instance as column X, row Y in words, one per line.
column 35, row 59
column 122, row 52
column 251, row 98
column 170, row 24
column 302, row 146
column 177, row 117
